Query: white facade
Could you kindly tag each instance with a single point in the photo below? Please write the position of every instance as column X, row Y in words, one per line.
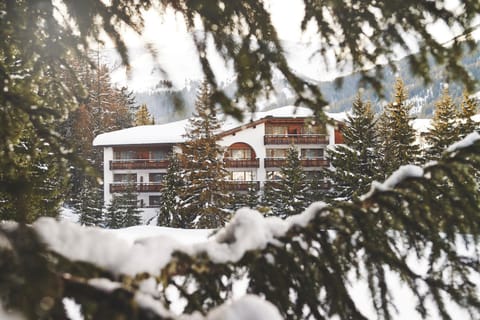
column 135, row 154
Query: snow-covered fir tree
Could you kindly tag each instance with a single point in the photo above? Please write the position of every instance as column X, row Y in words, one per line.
column 123, row 210
column 90, row 204
column 249, row 199
column 204, row 196
column 468, row 109
column 398, row 145
column 169, row 204
column 288, row 195
column 355, row 164
column 443, row 130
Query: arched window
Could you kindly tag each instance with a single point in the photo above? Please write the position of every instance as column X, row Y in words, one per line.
column 240, row 151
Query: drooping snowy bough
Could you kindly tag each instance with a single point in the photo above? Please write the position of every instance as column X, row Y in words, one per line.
column 415, row 235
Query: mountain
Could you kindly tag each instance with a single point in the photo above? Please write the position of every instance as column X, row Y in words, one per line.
column 167, row 103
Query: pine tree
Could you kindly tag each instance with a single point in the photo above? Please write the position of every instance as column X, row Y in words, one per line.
column 249, row 199
column 289, row 194
column 204, row 196
column 444, row 126
column 90, row 206
column 143, row 117
column 356, row 162
column 468, row 109
column 123, row 210
column 169, row 212
column 36, row 184
column 398, row 145
column 104, row 108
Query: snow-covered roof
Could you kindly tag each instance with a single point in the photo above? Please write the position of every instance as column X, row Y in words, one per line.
column 173, row 132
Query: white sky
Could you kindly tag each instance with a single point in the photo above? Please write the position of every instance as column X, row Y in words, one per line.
column 176, row 52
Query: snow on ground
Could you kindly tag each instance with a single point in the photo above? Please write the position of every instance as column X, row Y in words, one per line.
column 68, row 214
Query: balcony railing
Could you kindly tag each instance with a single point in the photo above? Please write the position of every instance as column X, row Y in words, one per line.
column 314, row 162
column 139, row 164
column 234, row 185
column 295, row 139
column 137, row 187
column 282, row 162
column 241, row 163
column 274, row 162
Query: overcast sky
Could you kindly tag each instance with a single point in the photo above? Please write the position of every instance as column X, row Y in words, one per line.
column 174, row 45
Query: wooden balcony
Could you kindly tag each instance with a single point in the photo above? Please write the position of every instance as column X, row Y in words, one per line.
column 138, row 164
column 306, row 163
column 295, row 139
column 274, row 162
column 241, row 163
column 138, row 187
column 234, row 185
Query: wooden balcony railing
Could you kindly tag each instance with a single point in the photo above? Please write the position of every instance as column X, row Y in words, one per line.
column 241, row 163
column 139, row 164
column 282, row 162
column 274, row 162
column 295, row 139
column 138, row 187
column 314, row 162
column 234, row 185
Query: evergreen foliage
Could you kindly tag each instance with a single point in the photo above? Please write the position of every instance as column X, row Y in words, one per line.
column 430, row 216
column 317, row 186
column 90, row 205
column 204, row 196
column 123, row 211
column 356, row 162
column 468, row 109
column 106, row 108
column 249, row 198
column 288, row 195
column 36, row 58
column 169, row 212
column 444, row 131
column 390, row 232
column 398, row 145
column 143, row 116
column 36, row 185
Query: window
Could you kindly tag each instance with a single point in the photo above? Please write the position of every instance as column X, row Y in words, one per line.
column 157, row 155
column 154, row 201
column 312, row 153
column 240, row 154
column 242, row 176
column 125, row 177
column 276, row 130
column 277, row 153
column 240, row 151
column 123, row 155
column 156, row 177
